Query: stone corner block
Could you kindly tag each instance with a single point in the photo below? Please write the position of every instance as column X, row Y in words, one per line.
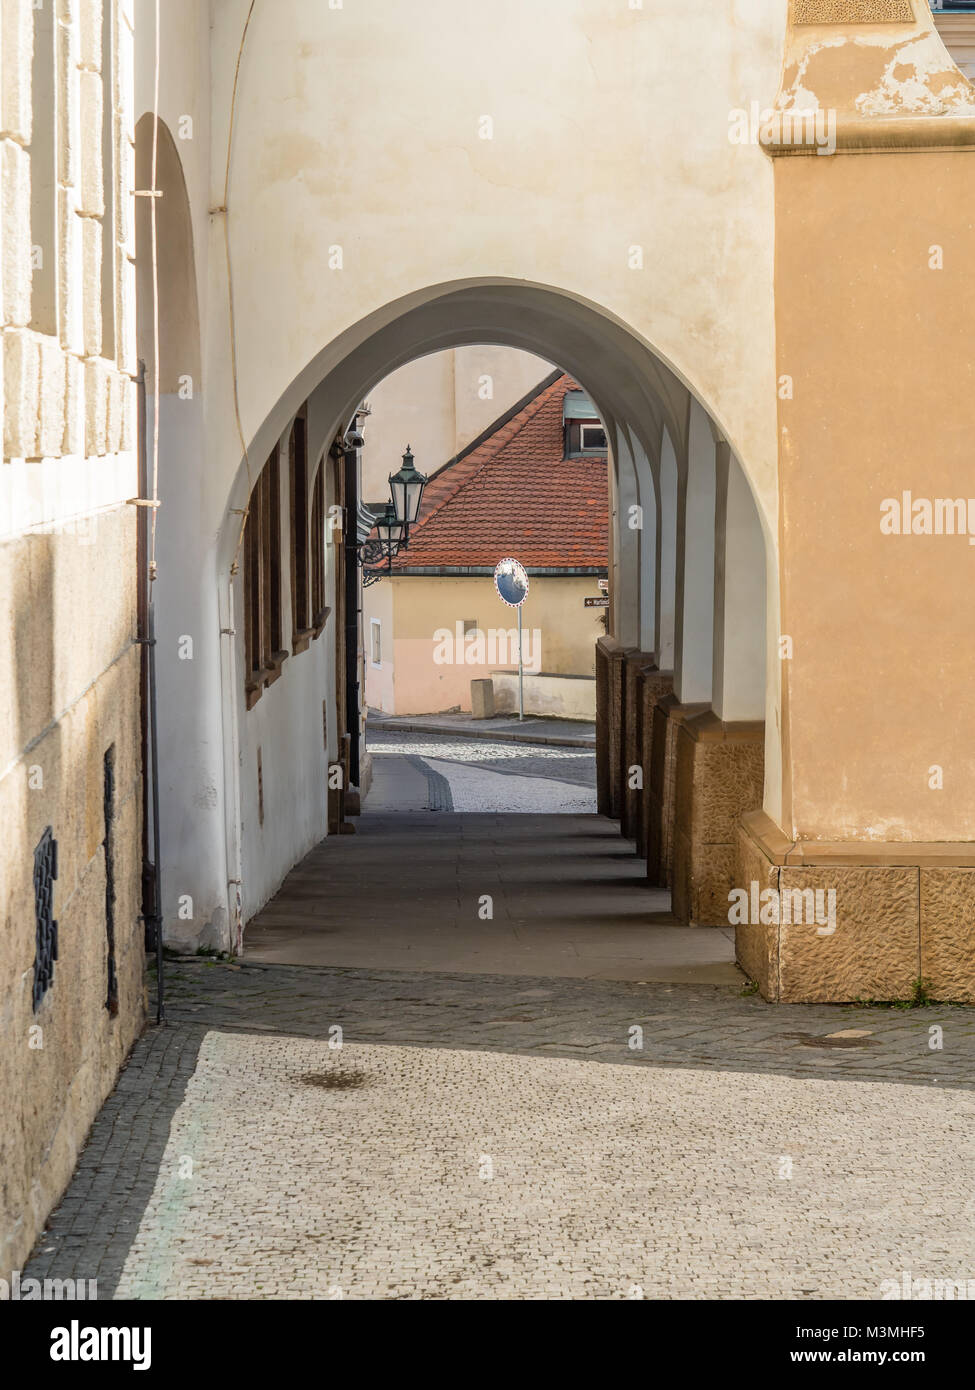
column 948, row 933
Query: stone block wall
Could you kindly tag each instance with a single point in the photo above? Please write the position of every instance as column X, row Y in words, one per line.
column 69, row 660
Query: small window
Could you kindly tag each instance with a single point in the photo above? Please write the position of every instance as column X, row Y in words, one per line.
column 470, row 625
column 375, row 642
column 582, row 427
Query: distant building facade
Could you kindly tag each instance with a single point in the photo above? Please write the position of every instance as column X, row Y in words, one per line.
column 533, row 486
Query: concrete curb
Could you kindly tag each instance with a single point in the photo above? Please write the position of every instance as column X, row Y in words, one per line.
column 497, row 735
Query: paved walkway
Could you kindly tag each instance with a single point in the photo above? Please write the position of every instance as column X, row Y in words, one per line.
column 412, row 890
column 491, row 1137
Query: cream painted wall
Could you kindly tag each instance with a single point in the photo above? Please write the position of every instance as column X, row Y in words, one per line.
column 453, row 206
column 425, row 604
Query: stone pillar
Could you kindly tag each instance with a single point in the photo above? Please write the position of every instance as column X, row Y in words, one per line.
column 653, row 686
column 720, row 755
column 635, row 666
column 719, row 774
column 610, row 655
column 668, row 715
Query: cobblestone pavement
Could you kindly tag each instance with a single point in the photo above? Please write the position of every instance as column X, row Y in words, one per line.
column 495, row 1136
column 576, row 766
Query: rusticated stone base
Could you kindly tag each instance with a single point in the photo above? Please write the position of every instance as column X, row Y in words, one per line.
column 720, row 772
column 668, row 715
column 899, row 913
column 948, row 933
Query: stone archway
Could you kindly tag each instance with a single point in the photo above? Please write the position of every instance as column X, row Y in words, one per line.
column 639, row 397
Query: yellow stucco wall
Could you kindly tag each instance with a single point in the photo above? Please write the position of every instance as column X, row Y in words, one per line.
column 424, row 682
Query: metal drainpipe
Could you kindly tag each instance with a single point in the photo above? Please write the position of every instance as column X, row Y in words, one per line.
column 151, row 876
column 352, row 710
column 229, row 702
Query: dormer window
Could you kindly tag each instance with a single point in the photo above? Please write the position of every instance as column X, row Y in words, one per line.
column 584, row 432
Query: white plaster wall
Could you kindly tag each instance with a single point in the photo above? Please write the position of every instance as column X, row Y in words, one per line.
column 739, row 597
column 196, row 812
column 667, row 552
column 432, row 203
column 694, row 612
column 558, row 697
column 628, row 593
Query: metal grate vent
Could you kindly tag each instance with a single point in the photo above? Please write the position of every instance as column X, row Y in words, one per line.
column 111, row 999
column 45, row 872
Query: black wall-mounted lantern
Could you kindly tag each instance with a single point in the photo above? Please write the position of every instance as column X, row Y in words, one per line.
column 392, row 527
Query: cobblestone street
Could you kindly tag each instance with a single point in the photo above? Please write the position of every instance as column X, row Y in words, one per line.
column 479, row 774
column 483, row 1136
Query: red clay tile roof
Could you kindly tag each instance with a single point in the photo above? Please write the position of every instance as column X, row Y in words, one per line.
column 516, row 495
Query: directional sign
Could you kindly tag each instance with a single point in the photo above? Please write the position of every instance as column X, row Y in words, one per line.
column 597, row 602
column 511, row 582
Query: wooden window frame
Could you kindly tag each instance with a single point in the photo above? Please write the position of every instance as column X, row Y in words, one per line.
column 263, row 654
column 319, row 608
column 302, row 628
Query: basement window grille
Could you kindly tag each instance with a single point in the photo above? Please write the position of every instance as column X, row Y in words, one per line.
column 108, row 844
column 46, row 952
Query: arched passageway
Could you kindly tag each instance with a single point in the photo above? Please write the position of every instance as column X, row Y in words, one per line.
column 679, row 611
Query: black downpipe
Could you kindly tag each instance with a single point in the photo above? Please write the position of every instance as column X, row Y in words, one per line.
column 351, row 501
column 151, row 888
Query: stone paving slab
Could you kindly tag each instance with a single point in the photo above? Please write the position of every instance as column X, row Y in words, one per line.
column 569, row 733
column 698, row 1026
